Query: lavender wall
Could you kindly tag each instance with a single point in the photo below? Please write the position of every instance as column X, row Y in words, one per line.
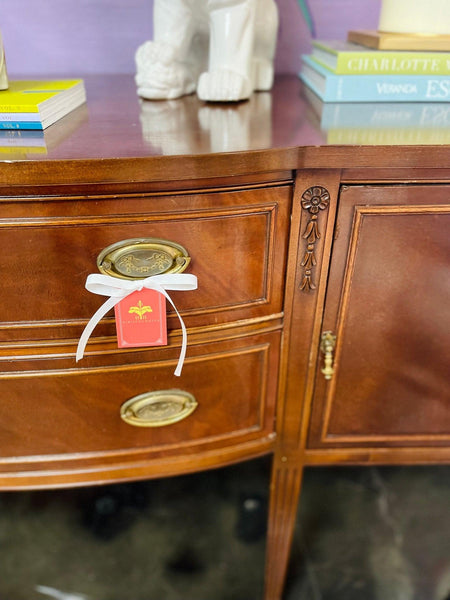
column 76, row 37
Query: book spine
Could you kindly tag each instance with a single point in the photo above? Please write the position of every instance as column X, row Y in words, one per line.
column 384, row 115
column 381, row 40
column 390, row 63
column 387, row 89
column 22, row 150
column 18, row 108
column 387, row 136
column 22, row 142
column 20, row 125
column 17, row 116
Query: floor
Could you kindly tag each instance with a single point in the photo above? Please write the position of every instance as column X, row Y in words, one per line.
column 362, row 534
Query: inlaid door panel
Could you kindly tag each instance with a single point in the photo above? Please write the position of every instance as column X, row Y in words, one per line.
column 388, row 305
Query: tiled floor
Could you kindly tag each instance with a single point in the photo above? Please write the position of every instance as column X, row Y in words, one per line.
column 363, row 534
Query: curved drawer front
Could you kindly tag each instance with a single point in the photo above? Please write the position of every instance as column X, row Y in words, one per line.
column 236, row 242
column 225, row 396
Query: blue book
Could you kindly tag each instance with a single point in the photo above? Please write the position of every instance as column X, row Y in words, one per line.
column 373, row 88
column 21, row 125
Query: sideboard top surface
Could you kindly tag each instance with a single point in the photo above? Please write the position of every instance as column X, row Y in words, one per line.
column 118, row 137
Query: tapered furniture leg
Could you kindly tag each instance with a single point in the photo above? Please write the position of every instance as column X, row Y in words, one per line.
column 284, row 493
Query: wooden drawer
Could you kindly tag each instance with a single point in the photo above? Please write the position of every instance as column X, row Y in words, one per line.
column 54, row 413
column 236, row 240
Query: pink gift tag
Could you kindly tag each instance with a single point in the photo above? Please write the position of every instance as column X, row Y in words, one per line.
column 141, row 319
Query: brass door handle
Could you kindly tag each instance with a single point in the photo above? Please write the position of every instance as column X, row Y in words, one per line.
column 157, row 409
column 327, row 345
column 139, row 258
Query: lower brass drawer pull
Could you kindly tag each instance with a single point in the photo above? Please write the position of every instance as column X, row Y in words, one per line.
column 157, row 409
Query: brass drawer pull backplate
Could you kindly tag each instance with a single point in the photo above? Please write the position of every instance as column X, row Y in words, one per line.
column 142, row 257
column 157, row 409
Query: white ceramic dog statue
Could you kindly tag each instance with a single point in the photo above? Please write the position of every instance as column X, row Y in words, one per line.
column 223, row 49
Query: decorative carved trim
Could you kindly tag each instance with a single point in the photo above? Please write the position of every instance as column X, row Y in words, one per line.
column 314, row 199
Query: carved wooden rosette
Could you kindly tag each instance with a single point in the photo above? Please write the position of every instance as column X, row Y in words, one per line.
column 314, row 199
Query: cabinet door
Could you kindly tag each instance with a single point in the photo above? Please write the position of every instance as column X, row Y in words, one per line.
column 388, row 304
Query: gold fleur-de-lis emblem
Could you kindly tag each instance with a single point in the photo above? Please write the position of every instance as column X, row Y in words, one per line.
column 140, row 310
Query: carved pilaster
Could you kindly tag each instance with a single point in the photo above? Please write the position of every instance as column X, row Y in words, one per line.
column 314, row 199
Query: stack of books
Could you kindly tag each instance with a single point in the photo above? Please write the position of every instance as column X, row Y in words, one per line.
column 347, row 72
column 35, row 105
column 357, row 88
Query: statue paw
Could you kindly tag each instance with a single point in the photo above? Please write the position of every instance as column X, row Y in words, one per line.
column 224, row 85
column 154, row 52
column 159, row 75
column 263, row 74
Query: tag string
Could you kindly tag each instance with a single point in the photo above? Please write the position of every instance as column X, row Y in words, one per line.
column 118, row 289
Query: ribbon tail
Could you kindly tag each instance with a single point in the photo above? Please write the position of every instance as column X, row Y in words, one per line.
column 177, row 371
column 96, row 317
column 183, row 346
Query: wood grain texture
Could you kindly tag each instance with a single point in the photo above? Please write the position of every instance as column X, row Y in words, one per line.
column 237, row 241
column 375, row 258
column 387, row 303
column 61, row 415
column 271, row 133
column 286, row 480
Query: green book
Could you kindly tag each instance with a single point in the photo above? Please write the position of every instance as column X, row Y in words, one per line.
column 343, row 57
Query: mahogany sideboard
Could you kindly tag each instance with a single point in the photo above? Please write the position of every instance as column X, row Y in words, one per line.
column 319, row 332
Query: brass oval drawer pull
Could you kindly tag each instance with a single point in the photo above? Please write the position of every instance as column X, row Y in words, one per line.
column 139, row 258
column 157, row 409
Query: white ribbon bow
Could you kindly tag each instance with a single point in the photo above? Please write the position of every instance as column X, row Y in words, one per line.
column 118, row 289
